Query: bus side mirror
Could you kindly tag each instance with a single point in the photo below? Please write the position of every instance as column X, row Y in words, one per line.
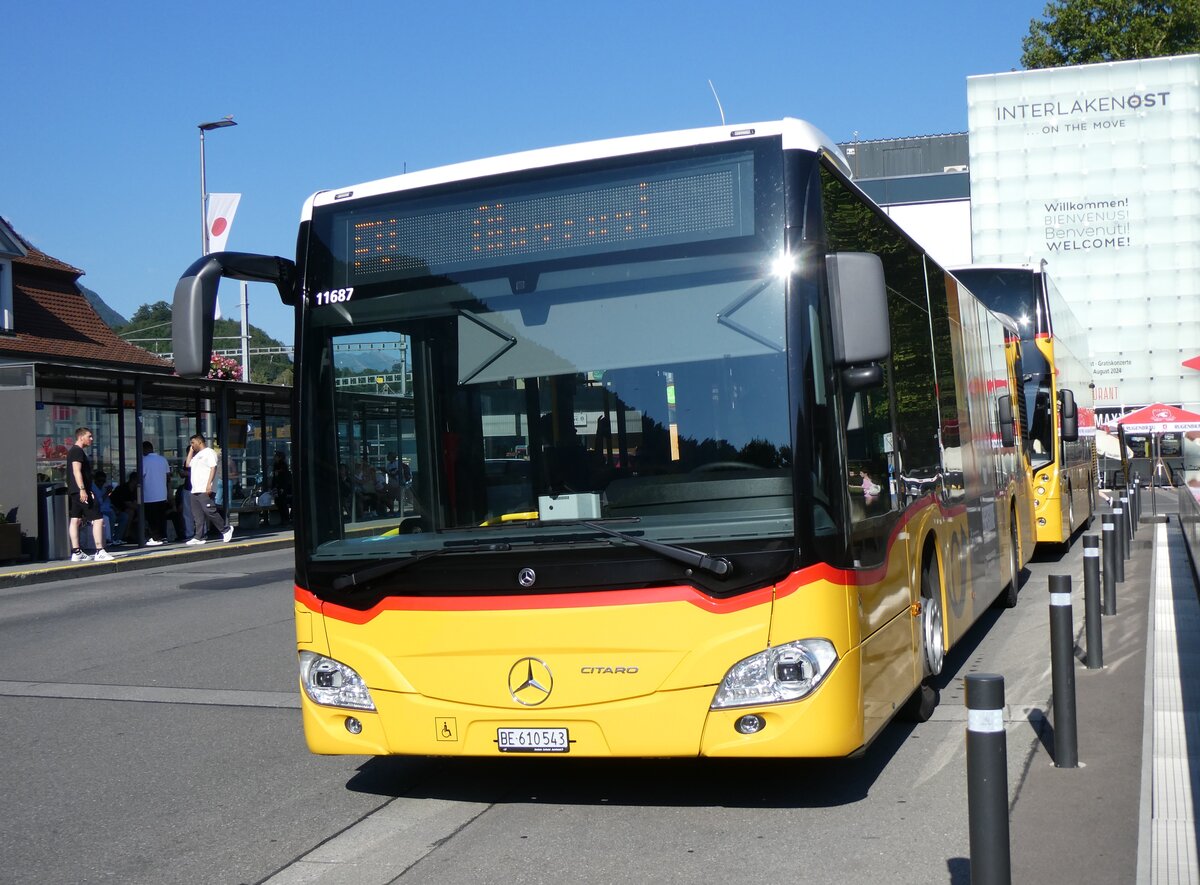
column 859, row 310
column 1069, row 419
column 196, row 298
column 1008, row 424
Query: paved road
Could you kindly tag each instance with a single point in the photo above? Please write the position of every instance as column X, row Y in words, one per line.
column 152, row 736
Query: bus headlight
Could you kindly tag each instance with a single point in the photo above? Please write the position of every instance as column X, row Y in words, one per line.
column 777, row 675
column 332, row 683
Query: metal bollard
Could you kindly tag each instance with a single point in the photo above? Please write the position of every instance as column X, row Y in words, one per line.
column 987, row 780
column 1062, row 661
column 1135, row 504
column 1121, row 539
column 1091, row 602
column 1118, row 554
column 1109, row 534
column 1128, row 526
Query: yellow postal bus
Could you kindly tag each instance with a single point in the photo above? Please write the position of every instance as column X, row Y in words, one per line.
column 708, row 457
column 1056, row 392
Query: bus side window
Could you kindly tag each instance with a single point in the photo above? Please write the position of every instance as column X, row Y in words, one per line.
column 868, row 457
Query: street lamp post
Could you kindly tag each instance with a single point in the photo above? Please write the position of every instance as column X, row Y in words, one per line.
column 207, row 127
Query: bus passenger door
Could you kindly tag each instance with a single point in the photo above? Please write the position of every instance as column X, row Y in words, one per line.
column 879, row 558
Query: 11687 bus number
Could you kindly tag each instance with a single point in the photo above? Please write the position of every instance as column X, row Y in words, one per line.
column 333, row 296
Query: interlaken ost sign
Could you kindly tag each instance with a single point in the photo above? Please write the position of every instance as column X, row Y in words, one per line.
column 1096, row 169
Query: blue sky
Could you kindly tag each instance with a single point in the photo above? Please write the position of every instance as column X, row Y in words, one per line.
column 100, row 153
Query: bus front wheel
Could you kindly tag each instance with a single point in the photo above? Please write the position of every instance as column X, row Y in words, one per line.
column 924, row 700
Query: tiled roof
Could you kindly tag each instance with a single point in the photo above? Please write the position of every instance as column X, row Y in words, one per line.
column 55, row 323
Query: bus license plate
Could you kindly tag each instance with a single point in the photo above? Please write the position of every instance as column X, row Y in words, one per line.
column 532, row 740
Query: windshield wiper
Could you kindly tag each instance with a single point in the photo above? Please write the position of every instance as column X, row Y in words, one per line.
column 714, row 565
column 365, row 576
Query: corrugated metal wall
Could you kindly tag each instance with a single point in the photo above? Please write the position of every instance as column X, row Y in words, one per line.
column 920, row 155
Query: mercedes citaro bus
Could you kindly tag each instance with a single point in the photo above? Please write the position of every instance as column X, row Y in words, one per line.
column 1056, row 391
column 767, row 474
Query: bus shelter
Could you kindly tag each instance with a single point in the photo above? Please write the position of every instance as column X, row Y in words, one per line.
column 45, row 402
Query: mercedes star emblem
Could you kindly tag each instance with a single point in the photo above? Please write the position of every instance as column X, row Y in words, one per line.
column 530, row 682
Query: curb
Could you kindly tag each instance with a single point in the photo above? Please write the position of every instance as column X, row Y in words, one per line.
column 60, row 571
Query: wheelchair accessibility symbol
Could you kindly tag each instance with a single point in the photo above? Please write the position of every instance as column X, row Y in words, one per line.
column 447, row 729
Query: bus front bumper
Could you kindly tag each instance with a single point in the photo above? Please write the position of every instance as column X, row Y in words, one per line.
column 827, row 723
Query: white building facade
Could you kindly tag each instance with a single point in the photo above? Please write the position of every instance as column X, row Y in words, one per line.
column 1096, row 169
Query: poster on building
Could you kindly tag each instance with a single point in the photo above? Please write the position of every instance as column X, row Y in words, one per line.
column 1096, row 169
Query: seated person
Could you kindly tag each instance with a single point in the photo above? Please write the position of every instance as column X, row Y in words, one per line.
column 112, row 527
column 124, row 503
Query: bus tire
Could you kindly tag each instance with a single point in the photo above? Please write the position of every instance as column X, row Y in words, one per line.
column 1008, row 596
column 933, row 645
column 920, row 706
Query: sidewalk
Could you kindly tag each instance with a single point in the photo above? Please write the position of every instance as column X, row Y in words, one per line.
column 130, row 558
column 1171, row 747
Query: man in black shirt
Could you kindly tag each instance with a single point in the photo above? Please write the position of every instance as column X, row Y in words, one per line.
column 82, row 503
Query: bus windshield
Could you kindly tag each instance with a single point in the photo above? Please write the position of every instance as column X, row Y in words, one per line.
column 1016, row 294
column 490, row 408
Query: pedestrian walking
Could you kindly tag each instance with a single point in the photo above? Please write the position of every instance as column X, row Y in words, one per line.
column 83, row 504
column 201, row 462
column 155, row 471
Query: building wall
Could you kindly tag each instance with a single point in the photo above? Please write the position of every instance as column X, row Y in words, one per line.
column 1096, row 169
column 942, row 229
column 18, row 482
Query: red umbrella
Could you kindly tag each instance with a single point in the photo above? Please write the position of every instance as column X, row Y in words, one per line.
column 1155, row 420
column 1160, row 419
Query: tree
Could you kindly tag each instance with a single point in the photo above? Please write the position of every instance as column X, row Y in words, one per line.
column 1077, row 32
column 150, row 329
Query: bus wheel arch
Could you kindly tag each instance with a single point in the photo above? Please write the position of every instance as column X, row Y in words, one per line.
column 924, row 700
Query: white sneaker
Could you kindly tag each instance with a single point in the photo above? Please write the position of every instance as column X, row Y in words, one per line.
column 103, row 556
column 80, row 557
column 151, row 542
column 227, row 534
column 195, row 542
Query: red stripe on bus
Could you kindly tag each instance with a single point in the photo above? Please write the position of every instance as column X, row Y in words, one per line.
column 639, row 596
column 587, row 599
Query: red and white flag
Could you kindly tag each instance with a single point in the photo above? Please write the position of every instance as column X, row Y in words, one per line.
column 219, row 219
column 221, row 209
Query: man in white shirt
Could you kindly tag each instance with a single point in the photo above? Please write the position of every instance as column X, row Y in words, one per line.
column 155, row 471
column 202, row 464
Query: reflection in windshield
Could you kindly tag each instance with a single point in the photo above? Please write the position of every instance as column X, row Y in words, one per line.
column 471, row 409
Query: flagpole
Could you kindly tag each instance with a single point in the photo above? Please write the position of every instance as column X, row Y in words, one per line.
column 245, row 332
column 203, row 200
column 206, row 127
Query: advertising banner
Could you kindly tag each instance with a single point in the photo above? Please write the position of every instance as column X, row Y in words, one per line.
column 1096, row 169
